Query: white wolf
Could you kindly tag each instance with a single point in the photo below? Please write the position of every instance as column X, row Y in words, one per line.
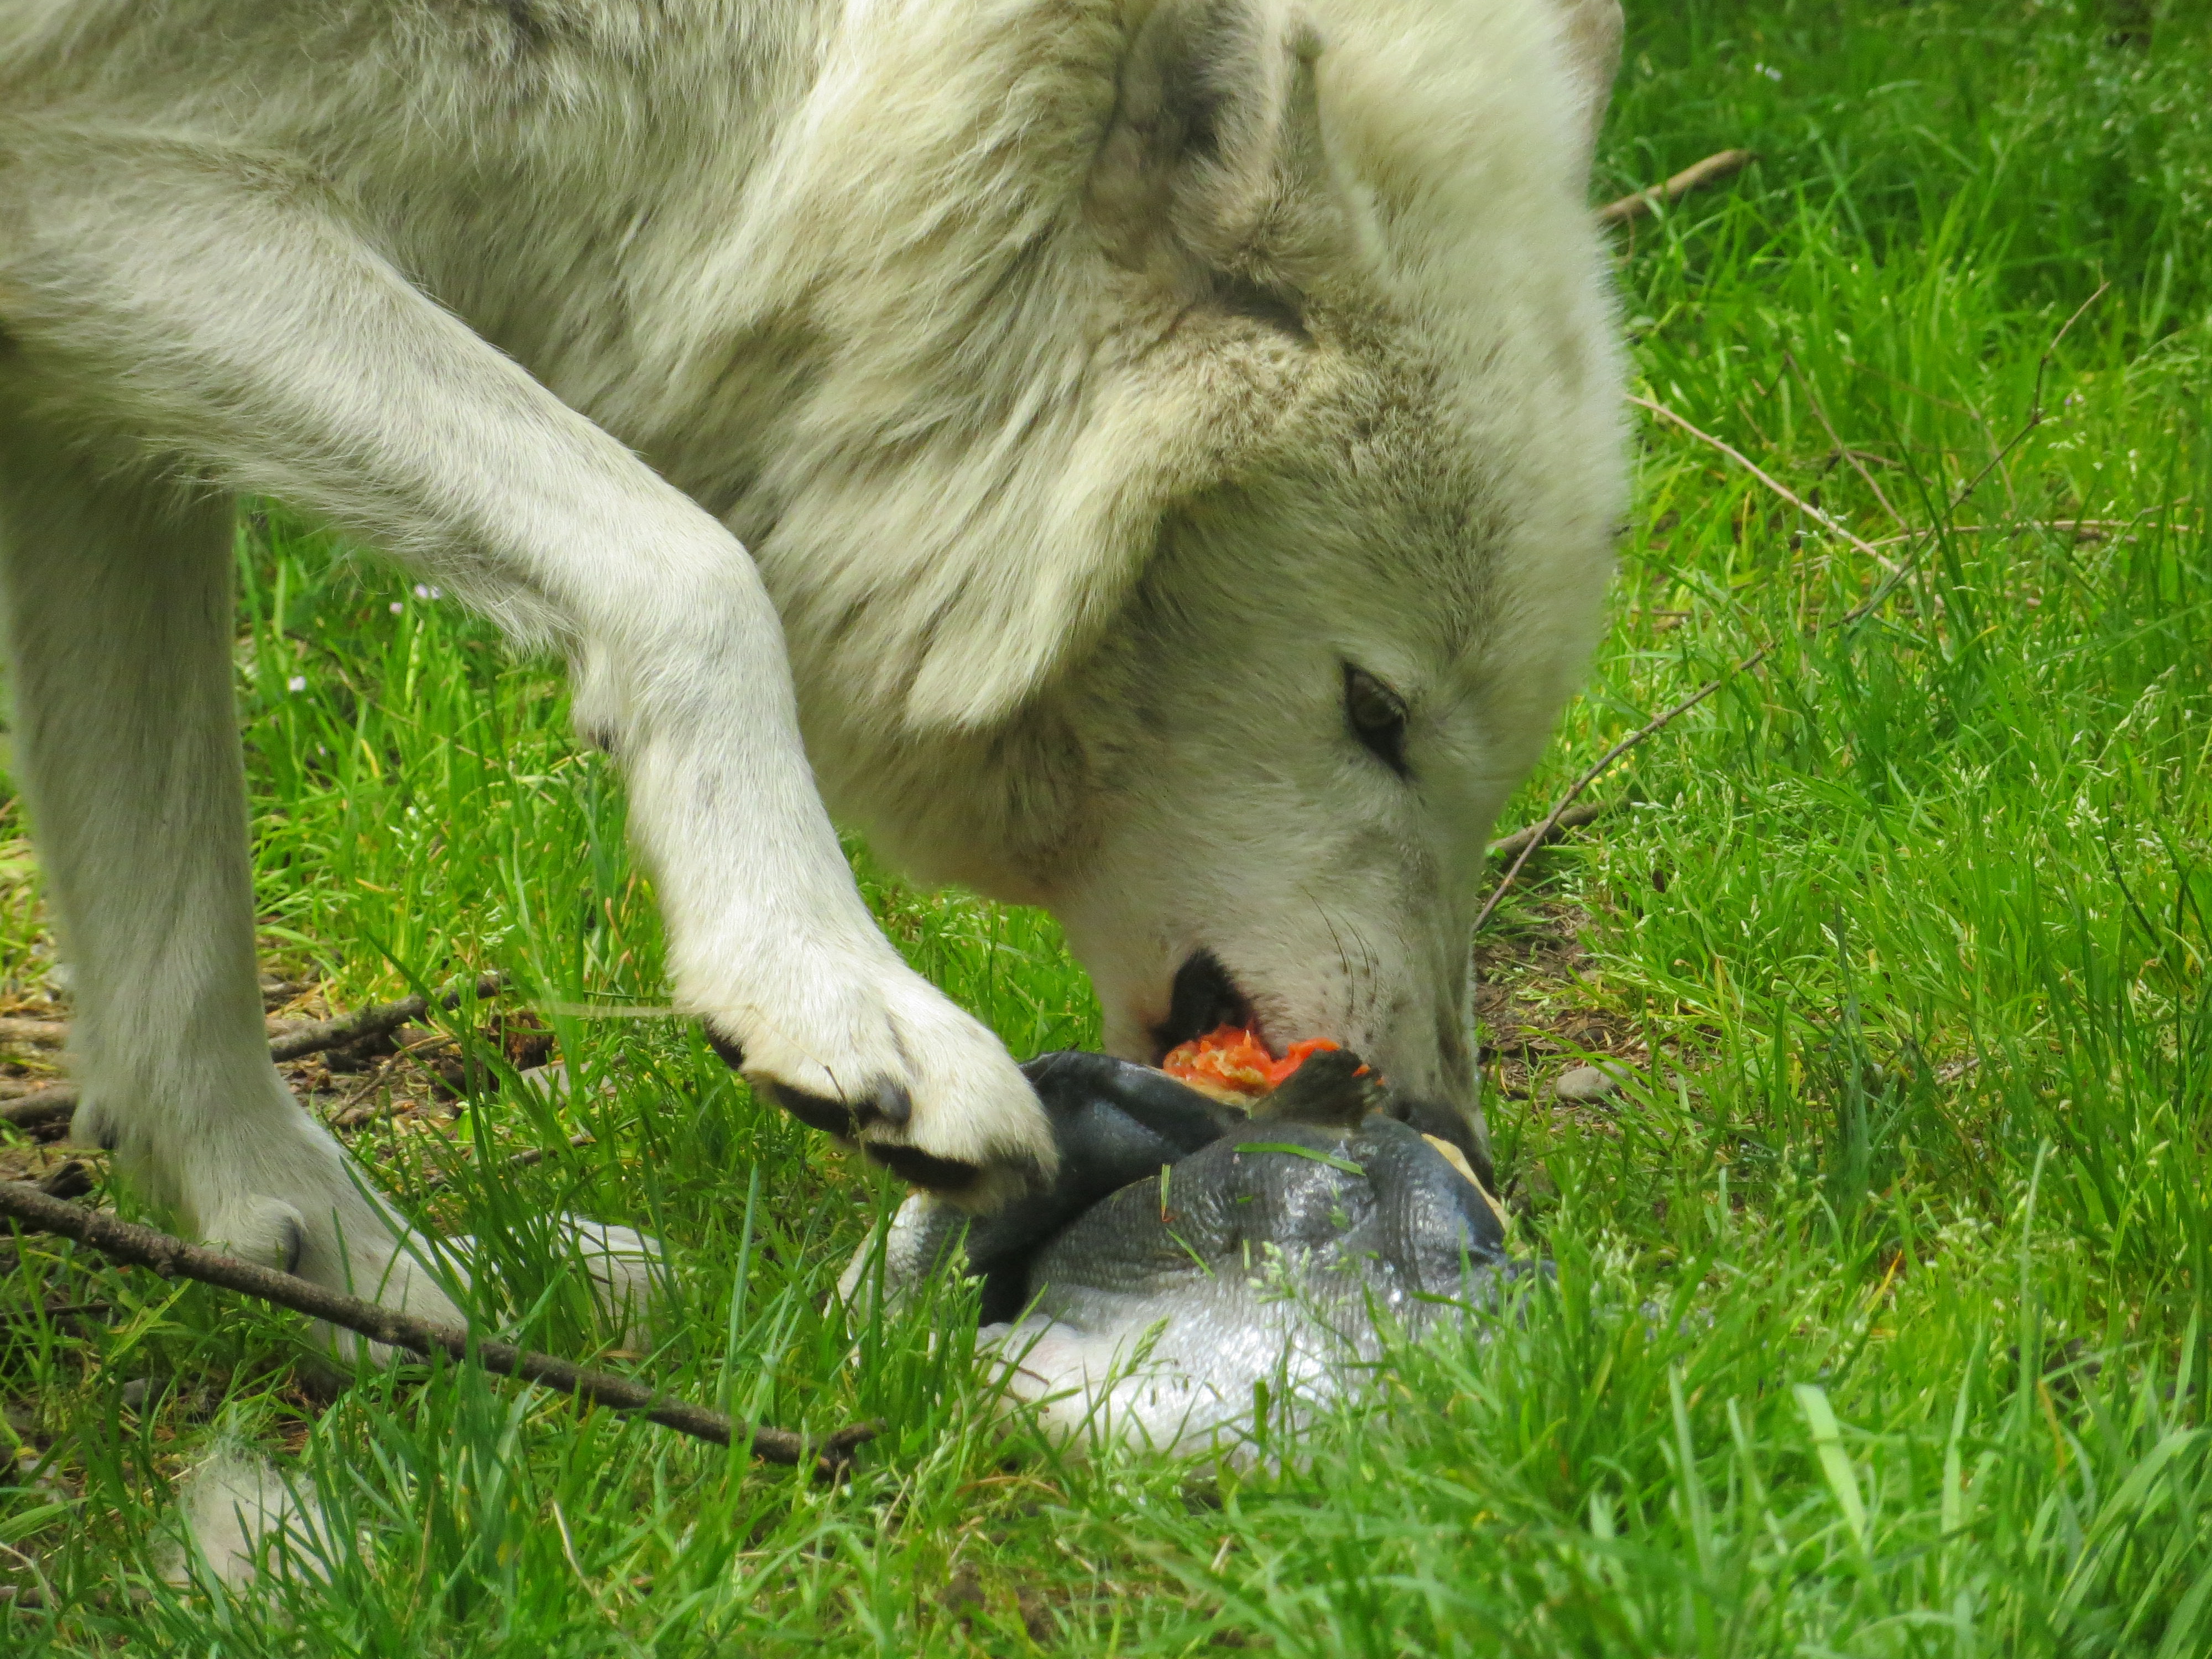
column 1161, row 455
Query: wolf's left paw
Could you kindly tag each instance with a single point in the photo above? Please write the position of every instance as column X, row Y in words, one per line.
column 932, row 1095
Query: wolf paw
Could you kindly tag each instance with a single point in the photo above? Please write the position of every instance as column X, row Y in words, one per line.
column 405, row 1270
column 343, row 1242
column 886, row 1061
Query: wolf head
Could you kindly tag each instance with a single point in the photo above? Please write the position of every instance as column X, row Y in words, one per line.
column 1192, row 495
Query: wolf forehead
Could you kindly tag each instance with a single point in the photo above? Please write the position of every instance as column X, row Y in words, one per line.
column 1103, row 276
column 1376, row 496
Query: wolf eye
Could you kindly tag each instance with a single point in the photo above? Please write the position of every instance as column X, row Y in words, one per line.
column 1378, row 717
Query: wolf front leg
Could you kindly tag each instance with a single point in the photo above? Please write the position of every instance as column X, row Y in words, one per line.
column 119, row 623
column 260, row 338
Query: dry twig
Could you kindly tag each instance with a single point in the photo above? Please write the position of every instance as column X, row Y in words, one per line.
column 170, row 1257
column 1536, row 833
column 1844, row 451
column 1696, row 176
column 1521, row 840
column 40, row 1107
column 373, row 1021
column 34, row 1033
column 2078, row 525
column 47, row 1106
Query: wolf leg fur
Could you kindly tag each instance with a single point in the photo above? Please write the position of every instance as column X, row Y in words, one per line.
column 254, row 334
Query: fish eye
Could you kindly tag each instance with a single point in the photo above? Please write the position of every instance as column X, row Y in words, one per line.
column 1377, row 715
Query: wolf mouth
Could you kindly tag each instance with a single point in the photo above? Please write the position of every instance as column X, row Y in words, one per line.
column 1203, row 997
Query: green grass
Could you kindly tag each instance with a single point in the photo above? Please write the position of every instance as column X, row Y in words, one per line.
column 1880, row 1319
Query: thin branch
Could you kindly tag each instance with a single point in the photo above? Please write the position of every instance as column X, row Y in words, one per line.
column 144, row 1247
column 48, row 1106
column 2035, row 418
column 34, row 1033
column 1772, row 483
column 29, row 1032
column 1696, row 176
column 373, row 1021
column 1521, row 840
column 2018, row 524
column 348, row 1112
column 1538, row 832
column 38, row 1109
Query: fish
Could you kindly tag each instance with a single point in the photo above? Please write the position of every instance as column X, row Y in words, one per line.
column 1202, row 1276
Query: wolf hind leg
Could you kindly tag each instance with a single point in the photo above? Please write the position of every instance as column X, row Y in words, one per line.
column 117, row 600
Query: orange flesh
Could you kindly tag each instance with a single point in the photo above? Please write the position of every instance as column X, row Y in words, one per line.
column 1233, row 1060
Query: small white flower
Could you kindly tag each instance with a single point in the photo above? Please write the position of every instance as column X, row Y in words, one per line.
column 1766, row 70
column 396, row 607
column 297, row 683
column 422, row 591
column 436, row 592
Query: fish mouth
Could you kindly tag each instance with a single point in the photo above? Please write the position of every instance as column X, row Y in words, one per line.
column 1203, row 997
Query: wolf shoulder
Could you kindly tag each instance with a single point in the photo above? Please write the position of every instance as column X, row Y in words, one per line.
column 618, row 192
column 262, row 66
column 284, row 71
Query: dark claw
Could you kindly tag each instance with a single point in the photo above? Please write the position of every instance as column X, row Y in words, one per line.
column 831, row 1116
column 919, row 1168
column 887, row 1102
column 732, row 1055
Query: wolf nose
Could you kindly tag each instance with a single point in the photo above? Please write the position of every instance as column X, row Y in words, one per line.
column 1202, row 998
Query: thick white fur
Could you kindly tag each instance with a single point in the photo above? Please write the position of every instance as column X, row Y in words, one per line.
column 1090, row 380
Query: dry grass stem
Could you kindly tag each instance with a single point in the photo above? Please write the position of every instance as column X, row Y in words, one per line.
column 1714, row 168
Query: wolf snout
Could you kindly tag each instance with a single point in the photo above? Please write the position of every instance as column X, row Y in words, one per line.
column 1243, row 1028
